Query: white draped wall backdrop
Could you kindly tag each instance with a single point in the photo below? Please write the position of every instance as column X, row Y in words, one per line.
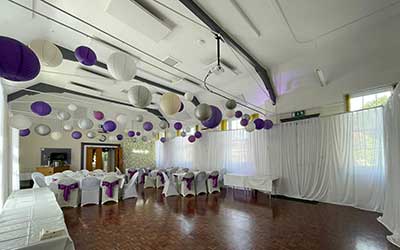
column 337, row 159
column 5, row 167
column 391, row 211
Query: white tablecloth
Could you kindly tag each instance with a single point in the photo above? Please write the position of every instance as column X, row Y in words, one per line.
column 263, row 183
column 25, row 214
column 79, row 178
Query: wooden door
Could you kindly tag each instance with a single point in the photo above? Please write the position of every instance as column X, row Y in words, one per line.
column 89, row 158
column 119, row 163
column 99, row 158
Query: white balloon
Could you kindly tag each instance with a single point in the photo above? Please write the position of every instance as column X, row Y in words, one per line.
column 250, row 127
column 85, row 123
column 56, row 135
column 68, row 127
column 72, row 107
column 170, row 103
column 230, row 113
column 122, row 66
column 189, row 96
column 20, row 122
column 121, row 119
column 48, row 53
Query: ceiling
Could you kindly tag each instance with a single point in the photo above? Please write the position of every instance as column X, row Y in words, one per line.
column 354, row 43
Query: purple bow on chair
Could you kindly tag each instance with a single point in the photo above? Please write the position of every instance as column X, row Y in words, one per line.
column 67, row 189
column 131, row 173
column 188, row 182
column 143, row 177
column 161, row 177
column 110, row 187
column 214, row 179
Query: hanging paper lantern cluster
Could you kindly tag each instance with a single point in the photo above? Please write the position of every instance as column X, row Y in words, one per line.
column 191, row 138
column 63, row 115
column 17, row 61
column 42, row 130
column 41, row 108
column 24, row 132
column 85, row 55
column 122, row 66
column 178, row 125
column 170, row 103
column 203, row 112
column 98, row 115
column 20, row 122
column 48, row 53
column 85, row 123
column 139, row 96
column 147, row 126
column 76, row 135
column 215, row 119
column 163, row 139
column 131, row 133
column 109, row 126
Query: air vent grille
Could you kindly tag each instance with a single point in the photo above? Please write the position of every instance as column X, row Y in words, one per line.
column 171, row 61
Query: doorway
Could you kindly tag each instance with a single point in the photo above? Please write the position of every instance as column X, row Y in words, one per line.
column 100, row 156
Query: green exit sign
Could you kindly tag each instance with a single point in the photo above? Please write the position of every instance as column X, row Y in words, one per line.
column 299, row 113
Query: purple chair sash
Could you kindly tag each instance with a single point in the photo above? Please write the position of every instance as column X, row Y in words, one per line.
column 67, row 189
column 131, row 173
column 161, row 177
column 188, row 182
column 143, row 177
column 110, row 187
column 214, row 180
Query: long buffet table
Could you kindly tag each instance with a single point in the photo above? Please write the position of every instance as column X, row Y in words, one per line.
column 26, row 214
column 264, row 183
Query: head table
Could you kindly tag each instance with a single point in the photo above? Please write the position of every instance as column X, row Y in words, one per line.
column 79, row 177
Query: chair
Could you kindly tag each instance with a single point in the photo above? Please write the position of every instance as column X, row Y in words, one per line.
column 201, row 183
column 110, row 189
column 38, row 180
column 141, row 176
column 149, row 180
column 187, row 186
column 169, row 187
column 68, row 192
column 90, row 191
column 118, row 171
column 212, row 182
column 130, row 172
column 185, row 170
column 129, row 190
column 68, row 172
column 98, row 171
column 160, row 180
column 84, row 172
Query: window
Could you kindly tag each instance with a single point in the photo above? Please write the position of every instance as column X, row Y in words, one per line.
column 370, row 99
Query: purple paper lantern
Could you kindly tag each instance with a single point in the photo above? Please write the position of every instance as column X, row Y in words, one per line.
column 98, row 115
column 163, row 139
column 215, row 119
column 192, row 139
column 138, row 133
column 147, row 126
column 178, row 126
column 238, row 114
column 244, row 122
column 120, row 137
column 41, row 108
column 259, row 123
column 24, row 132
column 76, row 135
column 85, row 55
column 182, row 107
column 17, row 61
column 109, row 126
column 268, row 124
column 131, row 133
column 198, row 134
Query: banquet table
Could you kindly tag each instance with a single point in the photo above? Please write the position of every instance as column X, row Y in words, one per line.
column 179, row 175
column 80, row 177
column 264, row 183
column 25, row 214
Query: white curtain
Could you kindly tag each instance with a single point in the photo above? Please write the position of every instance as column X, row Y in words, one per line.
column 5, row 167
column 391, row 212
column 336, row 159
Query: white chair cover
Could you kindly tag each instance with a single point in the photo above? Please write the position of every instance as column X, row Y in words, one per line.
column 68, row 172
column 130, row 188
column 160, row 180
column 118, row 171
column 141, row 176
column 68, row 192
column 84, row 172
column 212, row 182
column 38, row 180
column 188, row 184
column 98, row 171
column 169, row 187
column 110, row 188
column 90, row 191
column 130, row 172
column 149, row 181
column 201, row 183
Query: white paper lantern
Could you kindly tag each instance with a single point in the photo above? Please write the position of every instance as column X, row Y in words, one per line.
column 139, row 96
column 42, row 129
column 122, row 66
column 121, row 119
column 250, row 127
column 85, row 123
column 20, row 122
column 48, row 53
column 170, row 103
column 188, row 96
column 63, row 115
column 68, row 127
column 229, row 113
column 56, row 135
column 139, row 118
column 91, row 134
column 72, row 107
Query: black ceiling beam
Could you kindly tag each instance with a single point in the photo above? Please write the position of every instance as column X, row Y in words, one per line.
column 207, row 20
column 69, row 55
column 47, row 88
